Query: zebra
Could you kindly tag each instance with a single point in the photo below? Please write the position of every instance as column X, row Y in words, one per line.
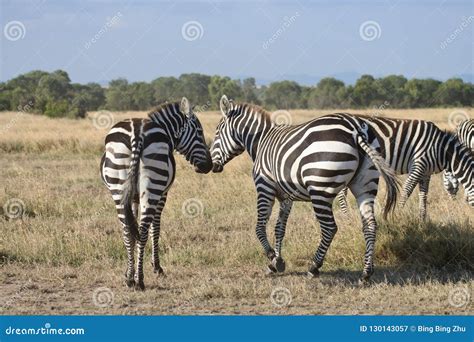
column 419, row 148
column 465, row 134
column 138, row 168
column 308, row 162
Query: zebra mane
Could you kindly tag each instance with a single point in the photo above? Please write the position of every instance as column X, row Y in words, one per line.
column 238, row 108
column 164, row 108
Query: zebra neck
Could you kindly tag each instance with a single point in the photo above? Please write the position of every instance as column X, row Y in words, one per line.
column 252, row 135
column 171, row 127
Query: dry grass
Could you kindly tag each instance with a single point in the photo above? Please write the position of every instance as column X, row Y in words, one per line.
column 69, row 243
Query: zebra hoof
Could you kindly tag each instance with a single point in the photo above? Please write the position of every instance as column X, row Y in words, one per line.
column 130, row 283
column 279, row 264
column 140, row 286
column 313, row 272
column 159, row 271
column 270, row 270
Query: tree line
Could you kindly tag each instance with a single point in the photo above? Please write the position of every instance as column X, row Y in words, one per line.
column 54, row 95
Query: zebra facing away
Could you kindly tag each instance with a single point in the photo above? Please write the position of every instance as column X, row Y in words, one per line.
column 308, row 162
column 138, row 168
column 465, row 134
column 419, row 148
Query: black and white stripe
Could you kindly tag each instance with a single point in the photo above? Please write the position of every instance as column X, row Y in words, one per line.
column 419, row 148
column 308, row 162
column 138, row 168
column 465, row 134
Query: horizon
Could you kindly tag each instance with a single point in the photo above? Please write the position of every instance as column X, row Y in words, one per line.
column 98, row 41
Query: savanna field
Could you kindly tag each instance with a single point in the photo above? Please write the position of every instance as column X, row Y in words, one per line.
column 65, row 254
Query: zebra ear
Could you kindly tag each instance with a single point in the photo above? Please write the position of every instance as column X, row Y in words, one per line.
column 225, row 105
column 184, row 106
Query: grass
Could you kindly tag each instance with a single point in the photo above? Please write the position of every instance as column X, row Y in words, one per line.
column 68, row 244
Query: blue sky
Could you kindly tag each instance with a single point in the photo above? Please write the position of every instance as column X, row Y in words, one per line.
column 270, row 40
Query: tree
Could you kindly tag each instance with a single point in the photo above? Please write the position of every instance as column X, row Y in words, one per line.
column 283, row 95
column 454, row 92
column 365, row 92
column 249, row 91
column 165, row 90
column 142, row 95
column 392, row 90
column 420, row 93
column 118, row 96
column 195, row 88
column 223, row 85
column 326, row 94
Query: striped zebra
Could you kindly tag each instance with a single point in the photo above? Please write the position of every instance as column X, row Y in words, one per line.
column 419, row 148
column 308, row 162
column 465, row 134
column 138, row 168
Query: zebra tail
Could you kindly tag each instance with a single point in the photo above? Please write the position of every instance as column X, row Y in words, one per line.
column 130, row 187
column 388, row 174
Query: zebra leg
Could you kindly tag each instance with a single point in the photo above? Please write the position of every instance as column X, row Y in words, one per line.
column 148, row 213
column 342, row 199
column 155, row 236
column 413, row 179
column 129, row 228
column 278, row 264
column 264, row 210
column 130, row 242
column 369, row 228
column 424, row 186
column 322, row 206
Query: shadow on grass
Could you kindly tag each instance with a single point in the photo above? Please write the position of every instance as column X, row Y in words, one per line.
column 411, row 253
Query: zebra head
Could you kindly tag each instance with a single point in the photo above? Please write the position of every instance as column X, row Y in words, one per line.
column 227, row 144
column 190, row 139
